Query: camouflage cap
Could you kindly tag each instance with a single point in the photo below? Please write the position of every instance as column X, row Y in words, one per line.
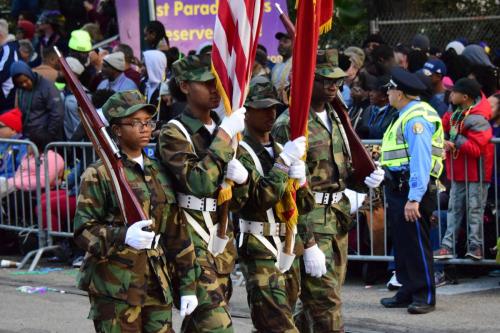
column 193, row 68
column 261, row 94
column 327, row 62
column 125, row 103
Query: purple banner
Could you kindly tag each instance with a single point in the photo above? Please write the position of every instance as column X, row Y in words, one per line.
column 190, row 23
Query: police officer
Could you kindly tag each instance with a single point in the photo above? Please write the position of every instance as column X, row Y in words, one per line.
column 125, row 267
column 411, row 154
column 195, row 148
column 329, row 166
column 271, row 292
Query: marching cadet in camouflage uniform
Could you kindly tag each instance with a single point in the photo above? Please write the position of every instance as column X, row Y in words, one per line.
column 125, row 268
column 195, row 150
column 329, row 165
column 261, row 234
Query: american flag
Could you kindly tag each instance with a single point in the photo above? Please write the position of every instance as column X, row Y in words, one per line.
column 236, row 35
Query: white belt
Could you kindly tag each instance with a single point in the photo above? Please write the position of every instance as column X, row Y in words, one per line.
column 327, row 198
column 262, row 228
column 192, row 202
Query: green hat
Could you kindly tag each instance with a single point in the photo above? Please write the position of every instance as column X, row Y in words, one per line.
column 80, row 41
column 327, row 62
column 125, row 103
column 193, row 68
column 261, row 94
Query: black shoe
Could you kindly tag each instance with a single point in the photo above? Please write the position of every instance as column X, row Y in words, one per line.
column 420, row 308
column 393, row 302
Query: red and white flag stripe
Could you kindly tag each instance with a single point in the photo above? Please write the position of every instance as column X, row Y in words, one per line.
column 236, row 35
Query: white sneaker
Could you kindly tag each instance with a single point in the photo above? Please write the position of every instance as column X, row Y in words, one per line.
column 393, row 283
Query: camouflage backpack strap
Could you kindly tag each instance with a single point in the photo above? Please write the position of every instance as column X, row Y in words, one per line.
column 270, row 215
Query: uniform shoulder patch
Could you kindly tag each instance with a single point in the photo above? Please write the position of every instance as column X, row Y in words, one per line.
column 418, row 128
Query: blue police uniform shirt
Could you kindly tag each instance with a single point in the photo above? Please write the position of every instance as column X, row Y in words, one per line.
column 419, row 150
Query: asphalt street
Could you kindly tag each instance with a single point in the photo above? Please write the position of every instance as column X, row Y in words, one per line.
column 471, row 306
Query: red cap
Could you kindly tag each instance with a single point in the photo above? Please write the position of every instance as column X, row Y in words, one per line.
column 28, row 28
column 13, row 119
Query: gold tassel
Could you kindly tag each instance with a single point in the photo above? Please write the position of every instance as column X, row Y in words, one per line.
column 226, row 192
column 325, row 27
column 286, row 208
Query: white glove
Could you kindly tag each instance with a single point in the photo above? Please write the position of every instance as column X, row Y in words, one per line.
column 298, row 171
column 188, row 304
column 234, row 123
column 293, row 150
column 138, row 238
column 236, row 172
column 314, row 261
column 375, row 178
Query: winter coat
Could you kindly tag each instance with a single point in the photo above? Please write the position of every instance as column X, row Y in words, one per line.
column 472, row 160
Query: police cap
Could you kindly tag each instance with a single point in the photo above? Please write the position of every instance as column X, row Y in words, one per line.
column 406, row 82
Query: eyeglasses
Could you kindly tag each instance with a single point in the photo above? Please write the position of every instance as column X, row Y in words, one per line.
column 139, row 125
column 328, row 83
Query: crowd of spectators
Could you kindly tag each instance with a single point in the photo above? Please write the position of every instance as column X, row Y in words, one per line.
column 35, row 103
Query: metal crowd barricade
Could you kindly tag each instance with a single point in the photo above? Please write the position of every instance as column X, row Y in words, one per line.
column 20, row 194
column 369, row 240
column 369, row 223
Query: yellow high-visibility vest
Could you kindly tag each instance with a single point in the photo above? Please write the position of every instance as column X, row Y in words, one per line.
column 395, row 146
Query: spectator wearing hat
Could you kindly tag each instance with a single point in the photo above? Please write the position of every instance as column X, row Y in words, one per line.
column 113, row 68
column 25, row 30
column 80, row 48
column 39, row 102
column 9, row 55
column 50, row 65
column 411, row 155
column 11, row 127
column 130, row 60
column 421, row 42
column 469, row 164
column 380, row 114
column 281, row 71
column 356, row 58
column 50, row 27
column 456, row 46
column 71, row 117
column 435, row 70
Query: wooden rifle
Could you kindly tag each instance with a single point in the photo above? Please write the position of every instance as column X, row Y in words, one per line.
column 105, row 147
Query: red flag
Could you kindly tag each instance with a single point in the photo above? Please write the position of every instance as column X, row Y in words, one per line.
column 325, row 12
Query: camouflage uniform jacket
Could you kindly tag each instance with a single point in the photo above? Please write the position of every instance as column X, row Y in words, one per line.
column 114, row 269
column 198, row 172
column 260, row 193
column 329, row 169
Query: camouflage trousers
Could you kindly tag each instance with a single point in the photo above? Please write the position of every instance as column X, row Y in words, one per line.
column 115, row 316
column 213, row 291
column 321, row 301
column 270, row 295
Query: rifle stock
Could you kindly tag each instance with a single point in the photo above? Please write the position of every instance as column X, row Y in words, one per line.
column 105, row 147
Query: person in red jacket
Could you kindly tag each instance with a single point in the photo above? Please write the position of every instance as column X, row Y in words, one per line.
column 469, row 163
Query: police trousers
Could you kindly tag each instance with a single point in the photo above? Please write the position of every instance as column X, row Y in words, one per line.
column 412, row 245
